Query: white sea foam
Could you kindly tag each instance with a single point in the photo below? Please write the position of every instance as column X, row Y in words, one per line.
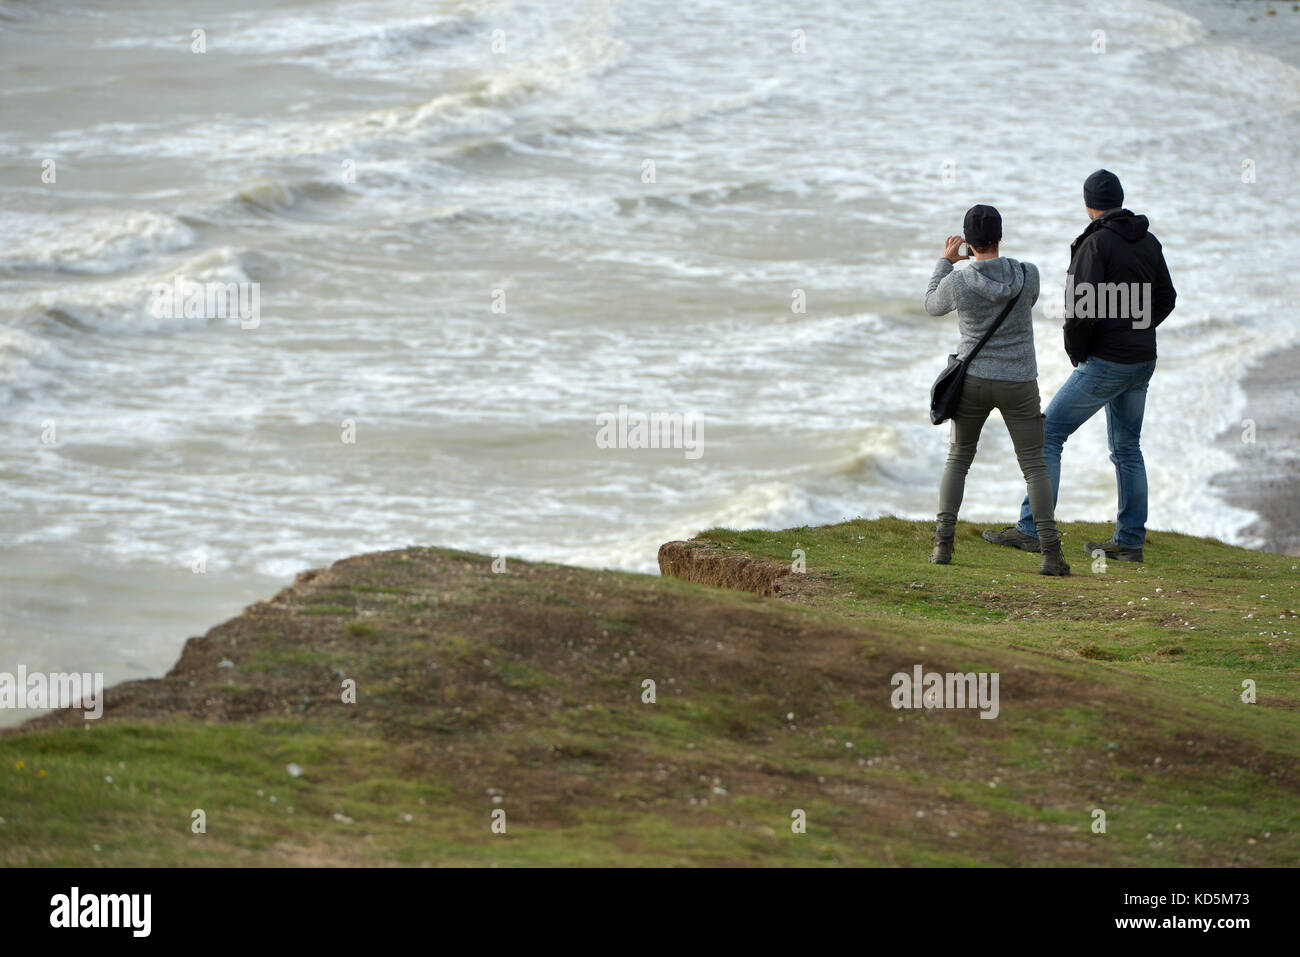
column 92, row 240
column 123, row 305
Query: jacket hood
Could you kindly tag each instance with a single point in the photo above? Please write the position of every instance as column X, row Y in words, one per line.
column 997, row 280
column 1125, row 223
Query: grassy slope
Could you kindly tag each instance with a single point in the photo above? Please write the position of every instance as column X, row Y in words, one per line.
column 528, row 684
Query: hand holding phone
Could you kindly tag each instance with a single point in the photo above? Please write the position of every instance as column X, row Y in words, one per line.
column 952, row 249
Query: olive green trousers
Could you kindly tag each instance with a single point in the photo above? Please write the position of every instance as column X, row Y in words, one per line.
column 1021, row 411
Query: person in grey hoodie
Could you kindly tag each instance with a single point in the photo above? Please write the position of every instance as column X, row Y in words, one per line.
column 1003, row 376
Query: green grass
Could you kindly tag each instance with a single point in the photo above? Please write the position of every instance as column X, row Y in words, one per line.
column 1199, row 614
column 522, row 692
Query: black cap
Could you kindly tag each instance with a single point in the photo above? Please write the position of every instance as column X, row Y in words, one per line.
column 983, row 226
column 1102, row 191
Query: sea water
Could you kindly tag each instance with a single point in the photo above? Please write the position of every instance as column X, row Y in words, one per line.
column 477, row 228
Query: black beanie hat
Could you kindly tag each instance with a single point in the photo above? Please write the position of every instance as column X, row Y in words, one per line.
column 1102, row 191
column 982, row 226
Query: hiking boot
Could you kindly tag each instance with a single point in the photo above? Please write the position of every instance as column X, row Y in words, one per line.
column 1053, row 561
column 1115, row 551
column 1012, row 537
column 942, row 554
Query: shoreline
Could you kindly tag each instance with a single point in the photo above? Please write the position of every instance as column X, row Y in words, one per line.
column 1247, row 24
column 1267, row 479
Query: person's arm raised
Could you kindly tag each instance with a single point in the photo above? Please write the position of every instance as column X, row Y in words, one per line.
column 939, row 298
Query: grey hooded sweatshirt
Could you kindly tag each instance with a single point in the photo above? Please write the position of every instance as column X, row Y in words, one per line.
column 978, row 293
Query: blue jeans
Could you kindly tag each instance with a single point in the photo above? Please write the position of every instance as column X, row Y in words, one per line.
column 1122, row 388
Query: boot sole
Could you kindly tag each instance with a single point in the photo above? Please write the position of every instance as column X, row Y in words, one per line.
column 1026, row 547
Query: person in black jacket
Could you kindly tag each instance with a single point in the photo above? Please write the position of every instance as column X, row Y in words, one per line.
column 1117, row 292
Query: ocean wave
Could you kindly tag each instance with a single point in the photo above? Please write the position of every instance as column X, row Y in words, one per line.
column 642, row 122
column 752, row 192
column 1167, row 26
column 481, row 107
column 120, row 305
column 93, row 241
column 327, row 203
column 268, row 195
column 355, row 29
column 341, row 36
column 367, row 48
column 481, row 97
column 28, row 364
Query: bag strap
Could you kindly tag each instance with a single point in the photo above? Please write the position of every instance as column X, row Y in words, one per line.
column 1006, row 311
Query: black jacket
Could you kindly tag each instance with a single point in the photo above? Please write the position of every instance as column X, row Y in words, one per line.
column 1117, row 247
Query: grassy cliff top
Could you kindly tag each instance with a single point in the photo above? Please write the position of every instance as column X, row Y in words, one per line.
column 522, row 692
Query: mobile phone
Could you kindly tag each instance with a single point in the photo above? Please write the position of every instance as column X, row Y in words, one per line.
column 967, row 251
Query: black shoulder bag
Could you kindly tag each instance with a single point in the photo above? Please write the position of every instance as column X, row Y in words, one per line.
column 945, row 394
